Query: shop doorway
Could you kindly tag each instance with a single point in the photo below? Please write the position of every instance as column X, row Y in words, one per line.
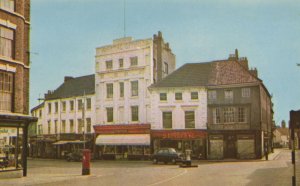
column 230, row 147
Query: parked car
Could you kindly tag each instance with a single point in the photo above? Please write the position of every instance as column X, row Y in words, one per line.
column 74, row 156
column 166, row 155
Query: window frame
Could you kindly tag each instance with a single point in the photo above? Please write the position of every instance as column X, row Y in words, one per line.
column 189, row 122
column 109, row 114
column 167, row 119
column 178, row 94
column 109, row 64
column 134, row 113
column 163, row 96
column 134, row 88
column 109, row 90
column 133, row 61
column 194, row 95
column 6, row 91
column 246, row 92
column 121, row 86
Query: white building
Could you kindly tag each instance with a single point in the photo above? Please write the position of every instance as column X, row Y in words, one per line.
column 124, row 71
column 179, row 111
column 64, row 115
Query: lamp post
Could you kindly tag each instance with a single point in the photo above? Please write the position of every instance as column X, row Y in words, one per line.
column 86, row 153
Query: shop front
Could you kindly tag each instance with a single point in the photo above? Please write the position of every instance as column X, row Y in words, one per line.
column 234, row 145
column 130, row 141
column 181, row 140
column 14, row 143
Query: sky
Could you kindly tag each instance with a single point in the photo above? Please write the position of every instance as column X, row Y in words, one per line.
column 65, row 34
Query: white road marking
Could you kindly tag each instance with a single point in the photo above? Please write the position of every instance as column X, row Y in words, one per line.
column 166, row 180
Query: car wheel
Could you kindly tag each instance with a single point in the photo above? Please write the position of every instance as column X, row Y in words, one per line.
column 173, row 161
column 154, row 160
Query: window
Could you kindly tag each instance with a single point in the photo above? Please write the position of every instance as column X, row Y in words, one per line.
column 134, row 88
column 194, row 95
column 134, row 113
column 109, row 90
column 216, row 116
column 79, row 104
column 121, row 89
column 245, row 92
column 178, row 96
column 6, row 91
column 79, row 125
column 121, row 61
column 228, row 113
column 6, row 42
column 40, row 129
column 49, row 127
column 88, row 103
column 63, row 104
column 167, row 120
column 71, row 125
column 166, row 68
column 189, row 119
column 88, row 125
column 109, row 64
column 40, row 113
column 49, row 108
column 8, row 5
column 55, row 126
column 71, row 105
column 55, row 107
column 134, row 61
column 110, row 114
column 241, row 115
column 212, row 95
column 163, row 96
column 228, row 94
column 63, row 126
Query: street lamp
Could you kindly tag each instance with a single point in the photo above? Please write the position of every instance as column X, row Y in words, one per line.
column 86, row 154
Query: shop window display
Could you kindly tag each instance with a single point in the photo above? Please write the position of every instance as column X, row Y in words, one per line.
column 10, row 149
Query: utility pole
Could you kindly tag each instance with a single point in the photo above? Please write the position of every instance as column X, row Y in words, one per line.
column 294, row 124
column 83, row 119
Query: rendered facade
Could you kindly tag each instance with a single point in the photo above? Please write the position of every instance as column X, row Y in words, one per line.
column 124, row 71
column 65, row 117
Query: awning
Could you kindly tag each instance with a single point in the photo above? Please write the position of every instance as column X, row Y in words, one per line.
column 123, row 139
column 67, row 142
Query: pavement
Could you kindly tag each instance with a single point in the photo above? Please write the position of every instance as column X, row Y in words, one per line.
column 52, row 172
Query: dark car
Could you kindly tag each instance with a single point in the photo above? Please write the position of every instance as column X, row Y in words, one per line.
column 74, row 156
column 166, row 155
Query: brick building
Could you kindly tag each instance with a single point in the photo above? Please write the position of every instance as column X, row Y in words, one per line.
column 14, row 79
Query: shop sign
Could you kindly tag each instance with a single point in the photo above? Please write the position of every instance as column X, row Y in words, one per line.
column 123, row 129
column 178, row 134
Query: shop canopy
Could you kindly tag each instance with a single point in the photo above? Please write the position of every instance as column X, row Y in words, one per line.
column 123, row 139
column 67, row 142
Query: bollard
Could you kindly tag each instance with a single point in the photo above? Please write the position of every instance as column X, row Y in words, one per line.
column 86, row 158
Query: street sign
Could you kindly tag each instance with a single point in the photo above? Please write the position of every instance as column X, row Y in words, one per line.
column 295, row 119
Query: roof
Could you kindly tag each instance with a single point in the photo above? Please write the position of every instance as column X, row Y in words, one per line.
column 223, row 72
column 283, row 131
column 74, row 87
column 37, row 107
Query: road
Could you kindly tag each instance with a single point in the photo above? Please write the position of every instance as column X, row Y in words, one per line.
column 277, row 171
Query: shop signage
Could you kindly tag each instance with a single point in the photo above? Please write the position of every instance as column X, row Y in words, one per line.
column 176, row 134
column 123, row 129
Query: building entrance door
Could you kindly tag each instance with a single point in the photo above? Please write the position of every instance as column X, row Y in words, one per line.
column 230, row 147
